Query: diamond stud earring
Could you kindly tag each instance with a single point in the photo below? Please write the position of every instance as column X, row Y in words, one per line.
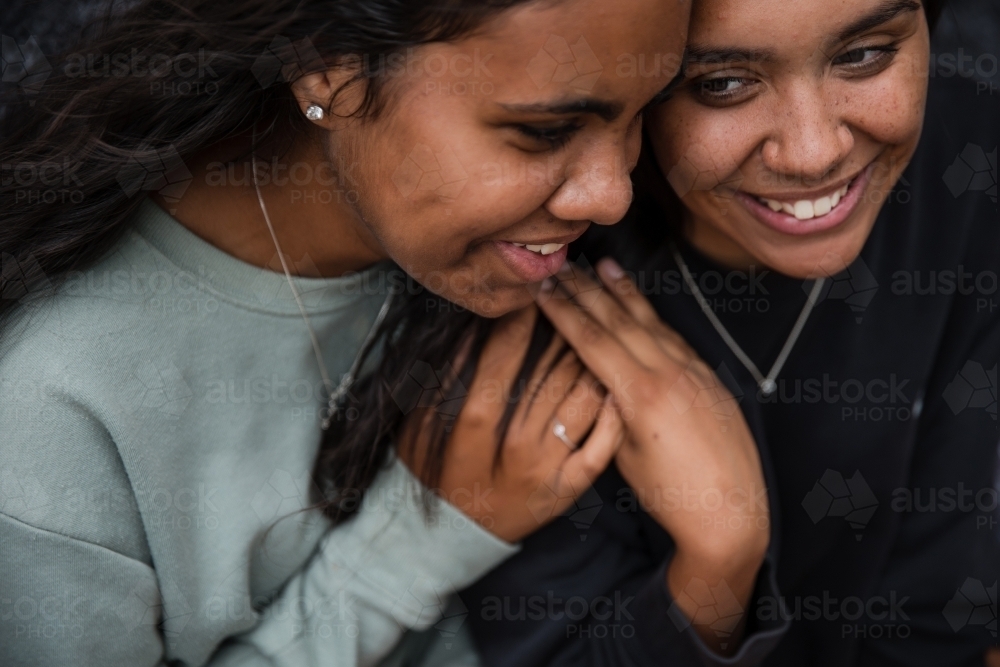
column 314, row 112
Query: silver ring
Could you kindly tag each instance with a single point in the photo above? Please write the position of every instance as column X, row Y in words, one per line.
column 559, row 430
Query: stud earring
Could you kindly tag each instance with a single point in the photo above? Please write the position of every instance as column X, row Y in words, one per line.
column 314, row 112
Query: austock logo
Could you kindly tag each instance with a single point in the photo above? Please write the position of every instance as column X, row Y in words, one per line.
column 21, row 278
column 554, row 491
column 973, row 604
column 833, row 496
column 974, row 387
column 284, row 60
column 24, row 64
column 974, row 170
column 720, row 396
column 853, row 284
column 560, row 62
column 160, row 170
column 717, row 608
column 423, row 387
column 425, row 171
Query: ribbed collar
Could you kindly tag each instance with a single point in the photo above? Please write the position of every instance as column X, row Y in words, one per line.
column 250, row 286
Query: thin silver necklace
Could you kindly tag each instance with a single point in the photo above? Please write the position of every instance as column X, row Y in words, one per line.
column 335, row 395
column 767, row 384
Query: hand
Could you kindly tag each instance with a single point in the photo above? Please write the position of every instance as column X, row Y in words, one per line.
column 538, row 476
column 689, row 454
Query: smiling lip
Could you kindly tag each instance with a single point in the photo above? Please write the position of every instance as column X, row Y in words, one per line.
column 789, row 224
column 530, row 266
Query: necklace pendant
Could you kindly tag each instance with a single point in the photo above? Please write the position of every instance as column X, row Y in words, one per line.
column 768, row 386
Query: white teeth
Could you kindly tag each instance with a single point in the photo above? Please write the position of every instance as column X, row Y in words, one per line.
column 822, row 206
column 543, row 249
column 805, row 209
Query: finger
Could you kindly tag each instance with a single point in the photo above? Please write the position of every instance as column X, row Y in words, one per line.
column 627, row 293
column 601, row 352
column 593, row 298
column 586, row 464
column 575, row 417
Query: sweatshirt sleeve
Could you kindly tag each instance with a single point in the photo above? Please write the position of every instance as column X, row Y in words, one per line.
column 72, row 593
column 390, row 569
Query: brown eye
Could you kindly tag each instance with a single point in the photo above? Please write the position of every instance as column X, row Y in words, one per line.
column 866, row 60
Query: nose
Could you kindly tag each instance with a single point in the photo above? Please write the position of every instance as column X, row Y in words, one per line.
column 597, row 185
column 809, row 138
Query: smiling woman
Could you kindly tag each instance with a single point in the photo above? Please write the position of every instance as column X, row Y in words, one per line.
column 800, row 270
column 165, row 386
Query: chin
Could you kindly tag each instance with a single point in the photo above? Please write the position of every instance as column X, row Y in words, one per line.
column 495, row 302
column 816, row 259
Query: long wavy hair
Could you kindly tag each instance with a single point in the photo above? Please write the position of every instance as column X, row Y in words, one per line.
column 122, row 141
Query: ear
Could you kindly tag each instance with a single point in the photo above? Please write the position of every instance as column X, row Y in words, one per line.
column 336, row 90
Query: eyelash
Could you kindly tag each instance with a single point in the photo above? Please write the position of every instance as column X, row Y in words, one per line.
column 860, row 68
column 554, row 137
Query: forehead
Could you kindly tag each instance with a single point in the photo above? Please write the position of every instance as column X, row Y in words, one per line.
column 782, row 25
column 582, row 44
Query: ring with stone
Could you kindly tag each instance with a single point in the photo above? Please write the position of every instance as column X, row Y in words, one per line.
column 559, row 430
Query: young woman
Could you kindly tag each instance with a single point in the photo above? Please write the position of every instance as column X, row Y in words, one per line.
column 164, row 385
column 836, row 265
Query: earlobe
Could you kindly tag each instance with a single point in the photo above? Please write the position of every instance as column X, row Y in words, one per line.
column 319, row 94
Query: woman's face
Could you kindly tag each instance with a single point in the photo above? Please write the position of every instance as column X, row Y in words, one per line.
column 496, row 151
column 794, row 122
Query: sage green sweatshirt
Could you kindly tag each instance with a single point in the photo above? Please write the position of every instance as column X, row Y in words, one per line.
column 159, row 418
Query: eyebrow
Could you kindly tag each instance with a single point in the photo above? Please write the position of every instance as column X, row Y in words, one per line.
column 702, row 54
column 604, row 109
column 886, row 12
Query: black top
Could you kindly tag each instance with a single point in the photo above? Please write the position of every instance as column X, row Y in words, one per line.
column 879, row 451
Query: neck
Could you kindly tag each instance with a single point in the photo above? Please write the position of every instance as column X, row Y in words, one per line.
column 318, row 239
column 717, row 246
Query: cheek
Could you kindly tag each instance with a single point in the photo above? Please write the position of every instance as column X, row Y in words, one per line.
column 699, row 150
column 889, row 110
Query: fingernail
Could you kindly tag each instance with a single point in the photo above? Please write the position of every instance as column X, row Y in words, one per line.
column 547, row 286
column 612, row 269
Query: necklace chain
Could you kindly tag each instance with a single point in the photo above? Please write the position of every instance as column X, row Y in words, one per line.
column 767, row 384
column 335, row 395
